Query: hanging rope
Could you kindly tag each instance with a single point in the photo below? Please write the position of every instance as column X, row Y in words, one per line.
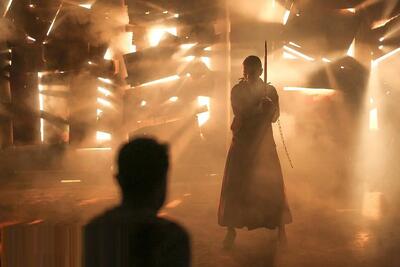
column 284, row 143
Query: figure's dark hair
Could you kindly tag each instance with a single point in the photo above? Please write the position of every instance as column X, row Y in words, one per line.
column 252, row 61
column 142, row 165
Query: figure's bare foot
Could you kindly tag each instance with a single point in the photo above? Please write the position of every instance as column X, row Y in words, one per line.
column 230, row 237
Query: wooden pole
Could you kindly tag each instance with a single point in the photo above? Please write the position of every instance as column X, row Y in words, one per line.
column 265, row 62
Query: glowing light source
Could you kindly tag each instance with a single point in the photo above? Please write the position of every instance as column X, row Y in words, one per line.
column 297, row 53
column 99, row 113
column 104, row 80
column 87, row 6
column 382, row 23
column 157, row 33
column 294, row 44
column 54, row 20
column 187, row 46
column 70, row 181
column 189, row 58
column 7, row 8
column 41, row 106
column 324, row 59
column 206, row 61
column 163, row 80
column 289, row 56
column 31, row 38
column 143, row 103
column 286, row 17
column 104, row 102
column 352, row 10
column 203, row 117
column 104, row 91
column 373, row 119
column 381, row 39
column 380, row 47
column 311, row 91
column 384, row 57
column 109, row 54
column 173, row 99
column 176, row 16
column 103, row 136
column 352, row 49
column 207, row 48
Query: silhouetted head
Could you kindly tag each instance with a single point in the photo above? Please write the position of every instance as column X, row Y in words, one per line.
column 252, row 68
column 142, row 172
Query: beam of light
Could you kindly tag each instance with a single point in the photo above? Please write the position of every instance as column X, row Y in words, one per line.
column 7, row 8
column 54, row 20
column 352, row 49
column 294, row 44
column 324, row 59
column 273, row 3
column 373, row 119
column 95, row 149
column 104, row 91
column 163, row 80
column 206, row 61
column 103, row 136
column 384, row 57
column 70, row 181
column 173, row 99
column 104, row 102
column 187, row 46
column 289, row 56
column 311, row 91
column 157, row 33
column 143, row 103
column 173, row 204
column 371, row 207
column 104, row 80
column 87, row 6
column 286, row 16
column 297, row 53
column 203, row 117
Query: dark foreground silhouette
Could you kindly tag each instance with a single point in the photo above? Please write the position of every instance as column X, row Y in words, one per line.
column 131, row 234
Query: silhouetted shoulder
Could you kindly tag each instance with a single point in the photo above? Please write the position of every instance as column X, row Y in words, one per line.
column 137, row 238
